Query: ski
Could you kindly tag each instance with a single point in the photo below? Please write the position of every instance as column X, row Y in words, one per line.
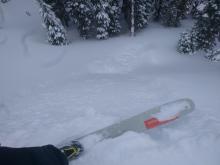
column 142, row 122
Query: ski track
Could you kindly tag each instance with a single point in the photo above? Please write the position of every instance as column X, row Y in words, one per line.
column 24, row 42
column 61, row 92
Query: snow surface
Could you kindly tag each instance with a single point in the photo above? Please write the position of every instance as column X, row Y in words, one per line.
column 50, row 93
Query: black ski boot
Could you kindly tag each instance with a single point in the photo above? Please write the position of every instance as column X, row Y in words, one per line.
column 73, row 150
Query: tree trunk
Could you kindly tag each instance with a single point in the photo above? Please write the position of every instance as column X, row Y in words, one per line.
column 132, row 18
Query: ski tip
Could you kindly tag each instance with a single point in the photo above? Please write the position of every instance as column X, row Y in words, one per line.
column 191, row 105
column 170, row 112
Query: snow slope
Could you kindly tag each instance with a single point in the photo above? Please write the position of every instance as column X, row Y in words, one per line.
column 50, row 93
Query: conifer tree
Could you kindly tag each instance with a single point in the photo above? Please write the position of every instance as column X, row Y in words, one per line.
column 206, row 27
column 55, row 29
column 206, row 30
column 102, row 19
column 170, row 13
column 188, row 42
column 114, row 12
column 81, row 13
column 143, row 11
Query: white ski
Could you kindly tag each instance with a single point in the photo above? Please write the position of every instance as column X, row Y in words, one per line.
column 142, row 122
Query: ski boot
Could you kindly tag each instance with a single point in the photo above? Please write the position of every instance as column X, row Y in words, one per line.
column 73, row 150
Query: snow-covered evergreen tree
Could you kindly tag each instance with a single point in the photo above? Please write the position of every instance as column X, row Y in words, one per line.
column 55, row 29
column 102, row 19
column 214, row 55
column 187, row 42
column 170, row 13
column 143, row 10
column 81, row 12
column 206, row 30
column 196, row 7
column 207, row 26
column 114, row 12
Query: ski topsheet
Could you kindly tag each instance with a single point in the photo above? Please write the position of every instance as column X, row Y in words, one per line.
column 149, row 119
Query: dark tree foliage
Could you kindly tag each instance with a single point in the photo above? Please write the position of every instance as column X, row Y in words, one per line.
column 114, row 13
column 170, row 14
column 184, row 7
column 157, row 8
column 127, row 11
column 81, row 13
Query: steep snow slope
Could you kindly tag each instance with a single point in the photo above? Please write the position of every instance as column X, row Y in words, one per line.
column 49, row 93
